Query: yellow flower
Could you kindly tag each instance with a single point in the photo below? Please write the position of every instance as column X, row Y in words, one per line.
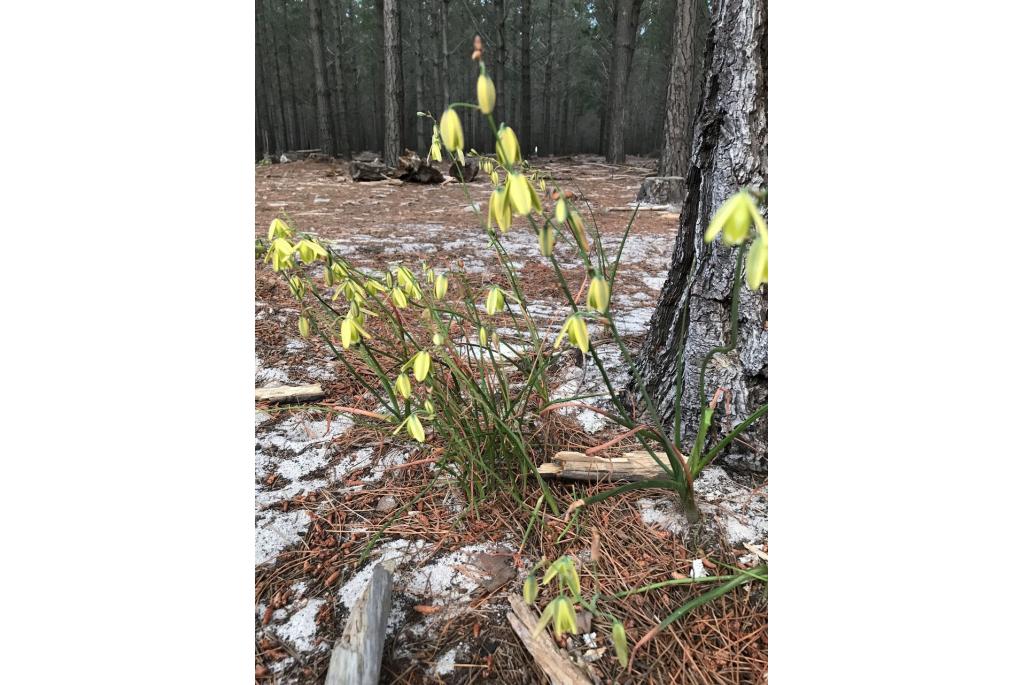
column 309, row 251
column 297, row 287
column 485, row 94
column 279, row 229
column 499, row 211
column 349, row 333
column 399, row 298
column 483, row 336
column 522, row 196
column 437, row 338
column 495, row 301
column 757, row 261
column 530, row 589
column 304, row 326
column 576, row 330
column 579, row 230
column 546, row 239
column 421, row 365
column 429, row 407
column 451, row 130
column 565, row 617
column 487, row 166
column 440, row 286
column 415, row 428
column 281, row 254
column 621, row 645
column 406, row 281
column 402, row 385
column 508, row 147
column 561, row 211
column 598, row 294
column 735, row 216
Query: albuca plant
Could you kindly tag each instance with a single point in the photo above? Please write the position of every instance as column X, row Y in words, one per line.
column 466, row 364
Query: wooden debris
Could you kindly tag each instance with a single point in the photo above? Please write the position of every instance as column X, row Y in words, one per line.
column 290, row 393
column 368, row 171
column 356, row 657
column 553, row 661
column 630, row 466
column 412, row 167
column 644, row 208
column 469, row 171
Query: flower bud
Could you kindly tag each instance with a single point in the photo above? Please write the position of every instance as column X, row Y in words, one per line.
column 507, row 147
column 499, row 209
column 304, row 326
column 757, row 261
column 451, row 130
column 437, row 339
column 579, row 230
column 621, row 645
column 402, row 385
column 598, row 294
column 483, row 336
column 485, row 94
column 349, row 333
column 495, row 301
column 546, row 239
column 399, row 298
column 530, row 589
column 421, row 365
column 440, row 286
column 415, row 428
column 561, row 211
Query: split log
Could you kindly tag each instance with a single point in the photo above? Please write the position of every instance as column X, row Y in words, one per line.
column 366, row 156
column 673, row 209
column 356, row 657
column 290, row 393
column 368, row 171
column 469, row 170
column 631, row 466
column 412, row 167
column 553, row 661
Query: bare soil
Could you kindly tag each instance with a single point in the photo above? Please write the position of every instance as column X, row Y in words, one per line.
column 326, row 483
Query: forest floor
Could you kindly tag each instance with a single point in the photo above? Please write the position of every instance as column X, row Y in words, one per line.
column 326, row 482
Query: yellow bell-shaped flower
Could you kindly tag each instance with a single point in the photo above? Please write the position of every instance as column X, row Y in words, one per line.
column 451, row 130
column 598, row 294
column 495, row 301
column 415, row 428
column 485, row 94
column 546, row 239
column 440, row 286
column 522, row 196
column 421, row 365
column 507, row 147
column 403, row 386
column 499, row 210
column 757, row 261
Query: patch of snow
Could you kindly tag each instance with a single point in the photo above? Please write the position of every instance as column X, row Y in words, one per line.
column 654, row 282
column 661, row 513
column 295, row 345
column 698, row 570
column 276, row 530
column 446, row 664
column 300, row 629
column 591, row 421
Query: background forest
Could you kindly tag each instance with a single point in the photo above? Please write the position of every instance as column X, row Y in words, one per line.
column 566, row 70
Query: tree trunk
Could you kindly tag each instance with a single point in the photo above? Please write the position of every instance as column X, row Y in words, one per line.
column 730, row 150
column 347, row 41
column 443, row 9
column 293, row 101
column 525, row 137
column 392, row 84
column 419, row 123
column 549, row 134
column 340, row 101
column 627, row 17
column 687, row 60
column 323, row 107
column 499, row 67
column 380, row 87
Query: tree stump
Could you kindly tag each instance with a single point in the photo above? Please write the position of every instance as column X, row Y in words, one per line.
column 367, row 171
column 662, row 190
column 412, row 167
column 469, row 170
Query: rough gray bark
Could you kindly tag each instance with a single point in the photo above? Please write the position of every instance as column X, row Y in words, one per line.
column 730, row 150
column 392, row 84
column 499, row 65
column 627, row 18
column 323, row 108
column 525, row 134
column 443, row 11
column 419, row 123
column 549, row 133
column 340, row 101
column 688, row 36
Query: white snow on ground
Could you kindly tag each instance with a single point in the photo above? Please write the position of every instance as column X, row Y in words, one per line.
column 446, row 664
column 742, row 514
column 276, row 530
column 300, row 629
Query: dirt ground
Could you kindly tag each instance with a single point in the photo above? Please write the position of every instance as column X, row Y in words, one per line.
column 330, row 485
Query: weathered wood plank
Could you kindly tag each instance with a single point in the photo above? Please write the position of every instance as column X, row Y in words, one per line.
column 554, row 663
column 290, row 393
column 357, row 653
column 630, row 466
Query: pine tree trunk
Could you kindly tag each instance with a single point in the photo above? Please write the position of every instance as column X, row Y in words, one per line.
column 294, row 134
column 504, row 97
column 346, row 42
column 549, row 134
column 627, row 17
column 392, row 84
column 443, row 9
column 526, row 137
column 687, row 59
column 420, row 66
column 323, row 107
column 729, row 151
column 340, row 100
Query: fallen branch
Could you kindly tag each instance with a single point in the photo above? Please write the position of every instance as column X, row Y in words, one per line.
column 631, row 466
column 292, row 393
column 554, row 663
column 357, row 653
